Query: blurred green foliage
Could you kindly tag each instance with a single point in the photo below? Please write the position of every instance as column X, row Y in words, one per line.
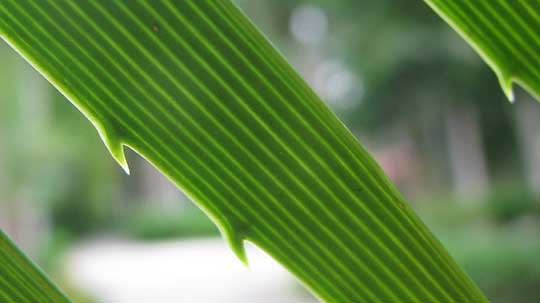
column 501, row 259
column 155, row 224
column 512, row 202
column 496, row 242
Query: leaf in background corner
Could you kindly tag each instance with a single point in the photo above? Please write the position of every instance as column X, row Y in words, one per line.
column 505, row 33
column 21, row 280
column 196, row 89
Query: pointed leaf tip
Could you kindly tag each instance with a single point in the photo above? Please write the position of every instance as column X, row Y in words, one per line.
column 114, row 144
column 239, row 250
column 234, row 238
column 120, row 157
column 506, row 85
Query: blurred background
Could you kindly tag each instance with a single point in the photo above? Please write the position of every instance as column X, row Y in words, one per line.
column 411, row 90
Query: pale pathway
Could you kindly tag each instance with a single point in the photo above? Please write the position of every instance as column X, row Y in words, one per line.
column 119, row 271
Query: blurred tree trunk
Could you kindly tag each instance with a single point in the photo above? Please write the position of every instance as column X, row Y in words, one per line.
column 28, row 217
column 527, row 121
column 466, row 153
column 157, row 189
column 150, row 189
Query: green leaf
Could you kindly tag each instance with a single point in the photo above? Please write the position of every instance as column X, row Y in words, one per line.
column 505, row 33
column 199, row 92
column 21, row 280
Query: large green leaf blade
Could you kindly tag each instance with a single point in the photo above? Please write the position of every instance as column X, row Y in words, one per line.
column 195, row 88
column 21, row 280
column 505, row 33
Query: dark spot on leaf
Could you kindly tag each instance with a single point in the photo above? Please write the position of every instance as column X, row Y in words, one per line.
column 155, row 28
